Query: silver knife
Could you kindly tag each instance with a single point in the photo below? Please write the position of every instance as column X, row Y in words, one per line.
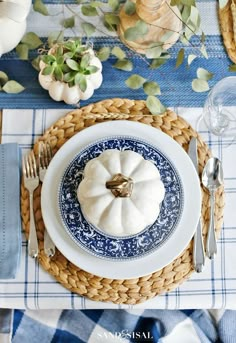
column 198, row 249
column 45, row 156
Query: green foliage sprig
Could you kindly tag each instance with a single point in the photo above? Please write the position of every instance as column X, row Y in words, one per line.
column 155, row 56
column 9, row 86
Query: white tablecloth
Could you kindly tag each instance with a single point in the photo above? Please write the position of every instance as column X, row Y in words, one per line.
column 215, row 287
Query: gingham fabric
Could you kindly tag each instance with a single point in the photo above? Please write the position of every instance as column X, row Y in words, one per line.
column 215, row 287
column 33, row 288
column 99, row 326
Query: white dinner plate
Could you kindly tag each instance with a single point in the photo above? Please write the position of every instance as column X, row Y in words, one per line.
column 147, row 264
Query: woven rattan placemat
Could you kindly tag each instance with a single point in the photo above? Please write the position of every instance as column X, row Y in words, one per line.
column 227, row 30
column 131, row 291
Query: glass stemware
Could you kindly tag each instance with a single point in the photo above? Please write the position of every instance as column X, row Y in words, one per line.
column 219, row 112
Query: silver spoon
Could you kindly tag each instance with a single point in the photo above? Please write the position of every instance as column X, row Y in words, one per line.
column 212, row 178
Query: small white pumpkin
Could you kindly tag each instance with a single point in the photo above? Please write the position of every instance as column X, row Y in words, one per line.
column 116, row 213
column 60, row 91
column 13, row 15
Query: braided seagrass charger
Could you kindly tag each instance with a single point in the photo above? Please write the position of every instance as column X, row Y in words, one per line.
column 132, row 291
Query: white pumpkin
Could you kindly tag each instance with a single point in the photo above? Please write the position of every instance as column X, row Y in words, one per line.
column 13, row 15
column 60, row 91
column 120, row 215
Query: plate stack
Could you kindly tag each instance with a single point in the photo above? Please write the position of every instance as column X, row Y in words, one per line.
column 99, row 264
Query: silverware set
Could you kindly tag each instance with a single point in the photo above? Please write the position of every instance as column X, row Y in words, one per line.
column 31, row 181
column 45, row 156
column 32, row 176
column 212, row 179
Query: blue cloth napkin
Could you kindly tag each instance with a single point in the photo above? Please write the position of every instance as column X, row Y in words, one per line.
column 10, row 223
column 6, row 323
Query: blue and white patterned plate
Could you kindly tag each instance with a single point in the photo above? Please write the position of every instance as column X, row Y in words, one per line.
column 128, row 268
column 99, row 243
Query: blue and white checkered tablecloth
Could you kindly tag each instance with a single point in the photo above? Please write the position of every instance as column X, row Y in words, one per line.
column 25, row 119
column 215, row 287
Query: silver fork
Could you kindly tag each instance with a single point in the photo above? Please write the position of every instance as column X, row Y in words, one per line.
column 45, row 156
column 31, row 181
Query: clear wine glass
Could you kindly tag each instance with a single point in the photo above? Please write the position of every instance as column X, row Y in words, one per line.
column 219, row 112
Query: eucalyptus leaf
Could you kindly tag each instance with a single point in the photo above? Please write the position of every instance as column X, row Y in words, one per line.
column 39, row 7
column 88, row 28
column 22, row 51
column 114, row 4
column 111, row 19
column 167, row 35
column 185, row 13
column 194, row 17
column 157, row 62
column 55, row 37
column 69, row 22
column 199, row 85
column 129, row 7
column 191, row 58
column 151, row 88
column 13, row 87
column 3, row 78
column 231, row 68
column 203, row 37
column 31, row 40
column 135, row 81
column 103, row 53
column 89, row 11
column 154, row 52
column 118, row 52
column 204, row 74
column 139, row 30
column 180, row 58
column 124, row 64
column 154, row 105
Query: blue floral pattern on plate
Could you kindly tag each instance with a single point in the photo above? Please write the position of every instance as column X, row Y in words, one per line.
column 94, row 240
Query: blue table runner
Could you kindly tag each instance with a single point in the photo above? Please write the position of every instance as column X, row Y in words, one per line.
column 175, row 82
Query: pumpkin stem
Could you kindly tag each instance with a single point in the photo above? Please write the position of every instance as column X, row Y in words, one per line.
column 120, row 186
